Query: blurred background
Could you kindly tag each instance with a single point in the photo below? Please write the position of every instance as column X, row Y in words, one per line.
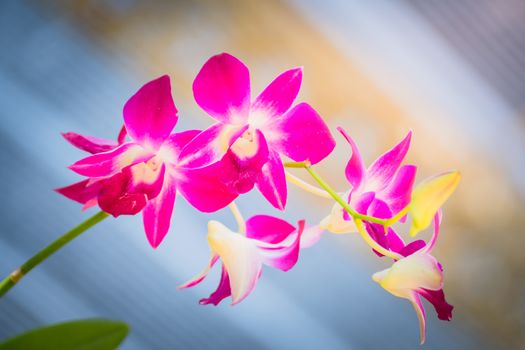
column 451, row 71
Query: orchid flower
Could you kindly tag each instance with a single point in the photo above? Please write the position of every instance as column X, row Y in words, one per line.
column 418, row 274
column 268, row 241
column 249, row 137
column 382, row 190
column 144, row 174
column 426, row 201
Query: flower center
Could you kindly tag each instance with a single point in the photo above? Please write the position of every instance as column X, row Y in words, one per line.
column 246, row 146
column 153, row 163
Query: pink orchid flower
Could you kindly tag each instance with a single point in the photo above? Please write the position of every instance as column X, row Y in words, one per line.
column 418, row 275
column 382, row 190
column 268, row 241
column 249, row 137
column 144, row 174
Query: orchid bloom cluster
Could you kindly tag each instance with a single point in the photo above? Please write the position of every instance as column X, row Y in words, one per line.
column 250, row 143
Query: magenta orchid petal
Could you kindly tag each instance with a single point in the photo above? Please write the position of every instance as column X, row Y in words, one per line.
column 355, row 168
column 437, row 299
column 150, row 115
column 158, row 212
column 398, row 194
column 222, row 89
column 305, row 136
column 391, row 240
column 201, row 275
column 412, row 247
column 379, row 209
column 278, row 97
column 283, row 255
column 111, row 162
column 172, row 147
column 81, row 192
column 271, row 181
column 116, row 200
column 209, row 146
column 89, row 144
column 268, row 228
column 395, row 242
column 222, row 292
column 382, row 171
column 204, row 190
column 89, row 204
column 361, row 204
column 121, row 138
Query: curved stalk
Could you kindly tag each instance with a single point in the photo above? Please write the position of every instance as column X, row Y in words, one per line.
column 9, row 282
column 306, row 186
column 238, row 217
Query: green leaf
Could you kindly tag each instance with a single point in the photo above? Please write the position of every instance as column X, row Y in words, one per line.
column 75, row 335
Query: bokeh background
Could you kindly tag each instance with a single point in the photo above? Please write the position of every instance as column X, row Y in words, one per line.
column 451, row 71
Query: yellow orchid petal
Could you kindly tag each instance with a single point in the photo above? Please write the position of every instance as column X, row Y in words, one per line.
column 429, row 196
column 406, row 275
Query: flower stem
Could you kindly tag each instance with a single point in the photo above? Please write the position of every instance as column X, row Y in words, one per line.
column 306, row 186
column 15, row 276
column 238, row 217
column 341, row 201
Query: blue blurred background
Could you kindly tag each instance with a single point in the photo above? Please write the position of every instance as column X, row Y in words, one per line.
column 452, row 71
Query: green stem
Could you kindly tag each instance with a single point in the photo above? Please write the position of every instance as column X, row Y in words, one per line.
column 45, row 253
column 342, row 202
